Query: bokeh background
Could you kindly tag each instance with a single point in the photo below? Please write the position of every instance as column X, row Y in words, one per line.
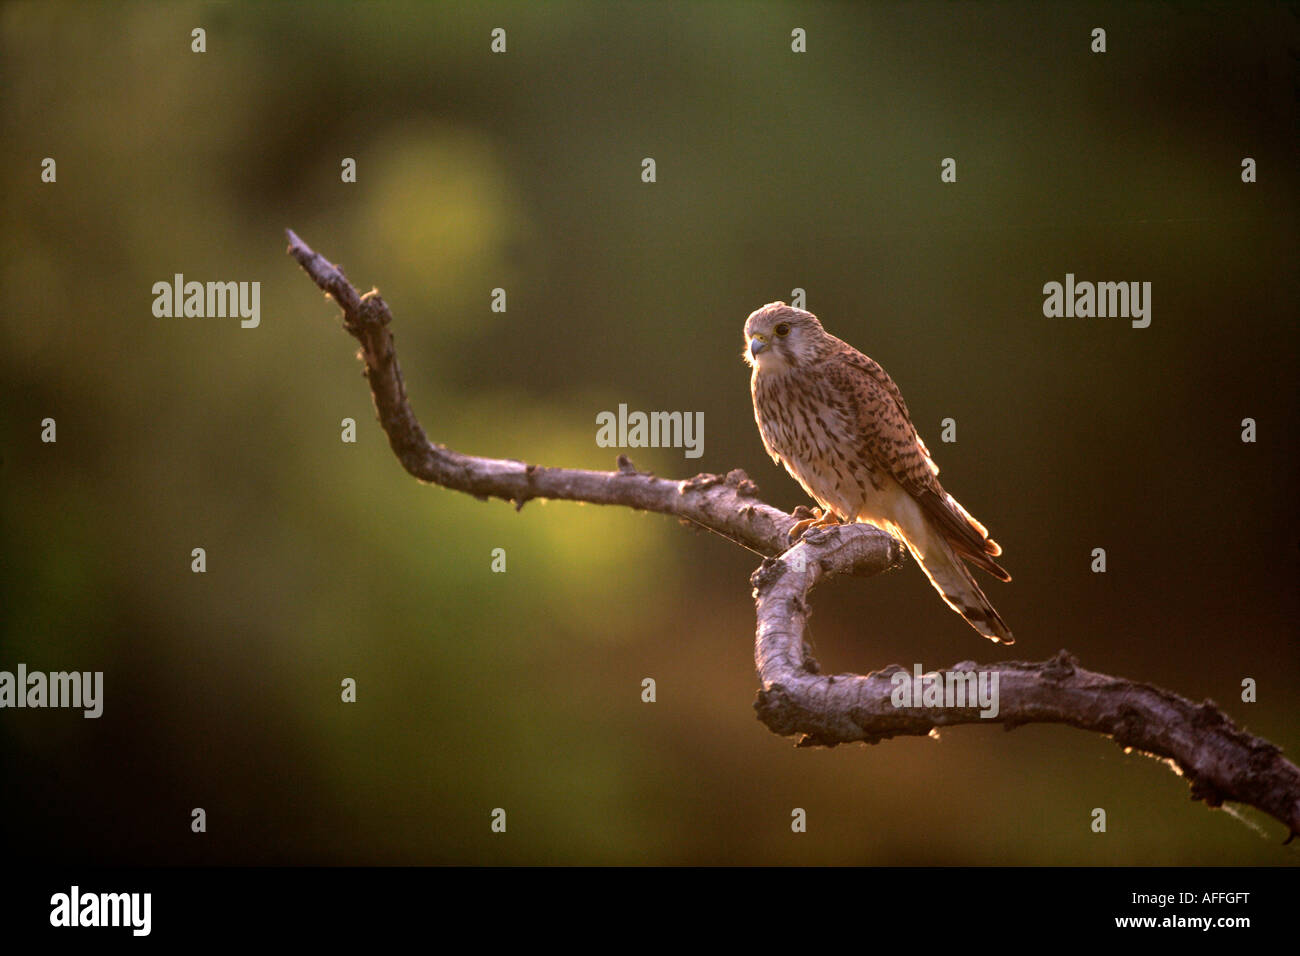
column 775, row 170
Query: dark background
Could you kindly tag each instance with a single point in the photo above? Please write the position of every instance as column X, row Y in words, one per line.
column 775, row 170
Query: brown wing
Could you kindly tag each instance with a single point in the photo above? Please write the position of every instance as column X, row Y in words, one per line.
column 890, row 439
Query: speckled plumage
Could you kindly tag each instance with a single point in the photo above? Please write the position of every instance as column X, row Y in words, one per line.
column 839, row 425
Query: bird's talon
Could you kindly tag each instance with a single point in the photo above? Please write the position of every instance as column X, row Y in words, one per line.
column 800, row 527
column 820, row 519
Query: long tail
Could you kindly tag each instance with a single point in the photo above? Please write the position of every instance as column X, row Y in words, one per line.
column 953, row 580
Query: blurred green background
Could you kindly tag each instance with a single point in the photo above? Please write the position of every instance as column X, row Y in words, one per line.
column 775, row 170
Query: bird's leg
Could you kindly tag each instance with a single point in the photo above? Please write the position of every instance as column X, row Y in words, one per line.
column 819, row 519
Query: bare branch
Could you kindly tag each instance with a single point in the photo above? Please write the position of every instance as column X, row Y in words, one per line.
column 1222, row 762
column 728, row 505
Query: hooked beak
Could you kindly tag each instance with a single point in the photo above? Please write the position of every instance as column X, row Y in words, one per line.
column 756, row 345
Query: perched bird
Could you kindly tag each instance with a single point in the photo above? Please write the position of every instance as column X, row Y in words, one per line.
column 839, row 425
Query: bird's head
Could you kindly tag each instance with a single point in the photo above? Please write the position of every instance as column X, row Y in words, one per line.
column 780, row 337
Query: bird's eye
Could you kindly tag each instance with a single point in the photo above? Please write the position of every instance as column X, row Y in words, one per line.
column 783, row 329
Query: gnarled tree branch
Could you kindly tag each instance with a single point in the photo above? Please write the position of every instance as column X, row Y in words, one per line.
column 1200, row 742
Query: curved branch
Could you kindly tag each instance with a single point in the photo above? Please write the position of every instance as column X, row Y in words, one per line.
column 1222, row 762
column 728, row 505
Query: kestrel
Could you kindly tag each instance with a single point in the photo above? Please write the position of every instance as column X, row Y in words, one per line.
column 839, row 425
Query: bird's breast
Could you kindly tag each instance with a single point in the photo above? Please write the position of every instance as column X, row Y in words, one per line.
column 812, row 431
